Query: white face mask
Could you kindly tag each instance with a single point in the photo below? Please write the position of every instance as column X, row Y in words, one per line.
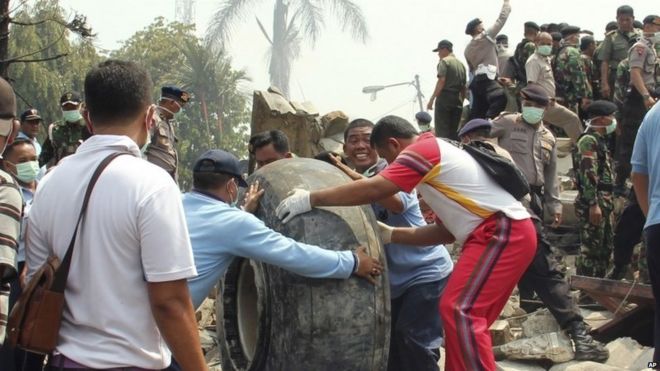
column 6, row 128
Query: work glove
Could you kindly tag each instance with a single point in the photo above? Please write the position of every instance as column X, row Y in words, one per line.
column 385, row 232
column 296, row 203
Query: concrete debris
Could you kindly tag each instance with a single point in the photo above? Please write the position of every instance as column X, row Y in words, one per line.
column 539, row 322
column 555, row 347
column 584, row 366
column 206, row 314
column 512, row 308
column 500, row 332
column 624, row 352
column 208, row 340
column 518, row 366
column 596, row 319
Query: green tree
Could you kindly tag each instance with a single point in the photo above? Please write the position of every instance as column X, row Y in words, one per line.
column 218, row 115
column 44, row 59
column 293, row 22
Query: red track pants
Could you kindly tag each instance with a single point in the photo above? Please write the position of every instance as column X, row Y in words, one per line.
column 493, row 259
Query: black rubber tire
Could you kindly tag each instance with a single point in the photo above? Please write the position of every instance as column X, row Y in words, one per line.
column 302, row 323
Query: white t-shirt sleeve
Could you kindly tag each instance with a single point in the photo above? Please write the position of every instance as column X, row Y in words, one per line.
column 165, row 244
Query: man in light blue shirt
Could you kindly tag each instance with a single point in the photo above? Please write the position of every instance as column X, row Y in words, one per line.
column 646, row 182
column 417, row 274
column 30, row 122
column 219, row 232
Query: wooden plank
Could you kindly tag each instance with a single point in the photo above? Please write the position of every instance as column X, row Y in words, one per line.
column 636, row 323
column 639, row 293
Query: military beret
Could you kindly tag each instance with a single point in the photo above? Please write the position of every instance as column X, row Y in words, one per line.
column 469, row 29
column 586, row 41
column 569, row 30
column 532, row 25
column 30, row 114
column 444, row 44
column 553, row 27
column 501, row 38
column 625, row 10
column 173, row 92
column 423, row 116
column 651, row 19
column 536, row 94
column 556, row 36
column 611, row 26
column 601, row 108
column 473, row 125
column 70, row 97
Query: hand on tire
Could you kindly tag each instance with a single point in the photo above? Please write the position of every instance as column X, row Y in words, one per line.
column 368, row 268
column 252, row 196
column 296, row 203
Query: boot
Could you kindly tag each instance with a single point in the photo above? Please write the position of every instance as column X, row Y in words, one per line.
column 586, row 348
column 618, row 272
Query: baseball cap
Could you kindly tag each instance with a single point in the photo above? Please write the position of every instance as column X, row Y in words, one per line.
column 219, row 161
column 70, row 97
column 30, row 114
column 175, row 93
column 444, row 44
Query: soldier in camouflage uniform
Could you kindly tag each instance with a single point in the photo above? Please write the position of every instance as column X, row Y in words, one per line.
column 524, row 50
column 594, row 203
column 66, row 135
column 588, row 50
column 571, row 79
column 161, row 150
column 615, row 47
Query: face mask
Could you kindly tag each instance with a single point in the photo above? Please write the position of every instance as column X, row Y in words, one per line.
column 72, row 116
column 233, row 202
column 545, row 50
column 611, row 127
column 532, row 115
column 6, row 128
column 27, row 172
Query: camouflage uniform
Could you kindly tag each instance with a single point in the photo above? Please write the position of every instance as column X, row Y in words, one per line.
column 571, row 77
column 63, row 140
column 621, row 83
column 524, row 50
column 162, row 147
column 593, row 173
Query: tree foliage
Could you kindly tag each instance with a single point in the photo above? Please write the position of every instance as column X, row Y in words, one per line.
column 218, row 115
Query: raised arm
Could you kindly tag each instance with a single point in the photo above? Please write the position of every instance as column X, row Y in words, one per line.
column 501, row 20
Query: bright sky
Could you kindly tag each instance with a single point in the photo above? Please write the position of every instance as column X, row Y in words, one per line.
column 332, row 75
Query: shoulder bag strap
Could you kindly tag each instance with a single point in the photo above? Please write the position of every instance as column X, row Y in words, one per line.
column 59, row 282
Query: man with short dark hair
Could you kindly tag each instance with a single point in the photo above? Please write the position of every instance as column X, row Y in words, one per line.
column 30, row 121
column 615, row 48
column 573, row 87
column 211, row 216
column 127, row 299
column 417, row 275
column 269, row 146
column 161, row 150
column 449, row 91
column 524, row 50
column 496, row 232
column 488, row 97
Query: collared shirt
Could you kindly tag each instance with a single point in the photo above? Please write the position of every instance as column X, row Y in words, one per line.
column 211, row 221
column 34, row 141
column 643, row 56
column 534, row 150
column 454, row 73
column 134, row 232
column 28, row 195
column 453, row 184
column 411, row 265
column 481, row 50
column 539, row 71
column 615, row 47
column 644, row 160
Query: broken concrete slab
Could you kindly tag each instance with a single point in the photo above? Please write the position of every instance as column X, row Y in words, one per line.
column 555, row 347
column 517, row 366
column 643, row 360
column 584, row 366
column 596, row 319
column 539, row 322
column 500, row 332
column 623, row 352
column 206, row 314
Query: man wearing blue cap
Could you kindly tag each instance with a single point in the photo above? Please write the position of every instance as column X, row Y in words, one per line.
column 161, row 150
column 212, row 215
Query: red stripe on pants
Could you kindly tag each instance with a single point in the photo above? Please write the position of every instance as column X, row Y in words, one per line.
column 492, row 260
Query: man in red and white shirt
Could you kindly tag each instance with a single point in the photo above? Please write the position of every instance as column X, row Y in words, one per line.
column 498, row 237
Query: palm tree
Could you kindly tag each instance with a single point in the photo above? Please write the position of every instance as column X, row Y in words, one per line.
column 293, row 22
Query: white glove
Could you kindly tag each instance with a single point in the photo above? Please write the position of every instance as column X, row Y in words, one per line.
column 385, row 232
column 296, row 203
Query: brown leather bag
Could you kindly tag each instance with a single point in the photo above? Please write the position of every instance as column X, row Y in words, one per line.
column 34, row 322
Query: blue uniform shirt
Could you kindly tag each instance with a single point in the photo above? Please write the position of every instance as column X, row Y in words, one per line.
column 411, row 265
column 35, row 142
column 219, row 232
column 646, row 153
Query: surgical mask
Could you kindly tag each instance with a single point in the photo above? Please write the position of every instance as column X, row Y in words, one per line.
column 611, row 127
column 72, row 116
column 532, row 115
column 233, row 202
column 545, row 50
column 27, row 172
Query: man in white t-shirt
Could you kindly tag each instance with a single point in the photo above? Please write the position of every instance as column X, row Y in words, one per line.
column 127, row 301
